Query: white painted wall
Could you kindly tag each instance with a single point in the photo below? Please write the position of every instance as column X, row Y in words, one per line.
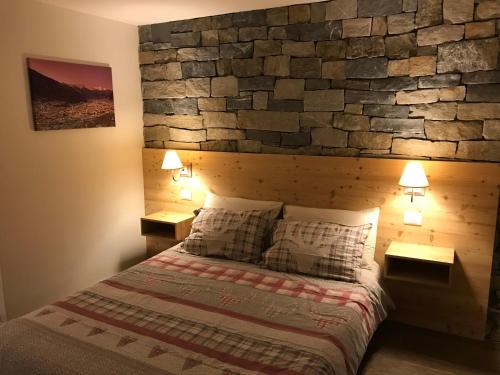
column 70, row 200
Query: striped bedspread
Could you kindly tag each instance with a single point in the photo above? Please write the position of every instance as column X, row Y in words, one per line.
column 181, row 314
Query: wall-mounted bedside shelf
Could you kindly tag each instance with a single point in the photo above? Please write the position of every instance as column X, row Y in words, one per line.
column 421, row 264
column 167, row 224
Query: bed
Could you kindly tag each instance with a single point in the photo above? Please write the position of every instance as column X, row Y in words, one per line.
column 178, row 313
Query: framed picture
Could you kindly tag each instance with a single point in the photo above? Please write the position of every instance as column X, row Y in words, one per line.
column 69, row 95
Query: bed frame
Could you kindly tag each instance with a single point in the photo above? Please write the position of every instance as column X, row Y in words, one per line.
column 459, row 211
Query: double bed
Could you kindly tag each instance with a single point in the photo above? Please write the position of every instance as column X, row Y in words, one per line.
column 179, row 313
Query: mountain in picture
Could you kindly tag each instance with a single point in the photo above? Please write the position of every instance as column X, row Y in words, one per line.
column 69, row 96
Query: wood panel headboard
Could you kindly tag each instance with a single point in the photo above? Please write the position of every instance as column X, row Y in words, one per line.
column 459, row 210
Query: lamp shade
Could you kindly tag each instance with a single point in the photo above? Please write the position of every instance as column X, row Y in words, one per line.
column 414, row 176
column 171, row 161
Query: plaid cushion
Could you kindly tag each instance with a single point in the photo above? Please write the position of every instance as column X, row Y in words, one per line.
column 234, row 235
column 317, row 248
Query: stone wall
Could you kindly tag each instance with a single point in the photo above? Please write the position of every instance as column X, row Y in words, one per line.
column 408, row 78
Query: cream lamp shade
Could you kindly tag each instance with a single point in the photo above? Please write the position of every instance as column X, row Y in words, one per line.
column 171, row 161
column 413, row 176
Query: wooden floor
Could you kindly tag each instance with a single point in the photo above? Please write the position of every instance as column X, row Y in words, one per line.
column 398, row 349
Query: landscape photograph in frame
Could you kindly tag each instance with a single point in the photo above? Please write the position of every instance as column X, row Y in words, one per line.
column 70, row 95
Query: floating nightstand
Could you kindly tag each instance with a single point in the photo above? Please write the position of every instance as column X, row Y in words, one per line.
column 421, row 264
column 167, row 224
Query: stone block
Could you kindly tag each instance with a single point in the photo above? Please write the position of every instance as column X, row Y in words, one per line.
column 452, row 94
column 318, row 12
column 468, row 56
column 236, row 50
column 427, row 51
column 224, row 67
column 196, row 69
column 154, row 72
column 250, row 18
column 257, row 84
column 386, row 110
column 163, row 89
column 351, row 84
column 365, row 47
column 267, row 48
column 479, row 150
column 234, row 104
column 267, row 120
column 324, row 100
column 285, row 105
column 269, row 138
column 305, row 67
column 222, row 21
column 186, row 106
column 316, row 119
column 439, row 81
column 333, row 70
column 296, row 139
column 161, row 32
column 202, row 23
column 370, row 8
column 221, row 146
column 436, row 111
column 416, row 147
column 329, row 30
column 277, row 16
column 484, row 93
column 219, row 120
column 212, row 104
column 164, row 56
column 247, row 67
column 289, row 32
column 224, row 134
column 192, row 39
column 147, row 57
column 410, row 5
column 155, row 144
column 247, row 34
column 174, row 121
column 429, row 13
column 367, row 68
column 440, row 34
column 259, row 100
column 210, row 38
column 351, row 122
column 478, row 111
column 356, row 27
column 331, row 50
column 181, row 145
column 329, row 137
column 289, row 89
column 370, row 140
column 159, row 106
column 401, row 46
column 341, row 9
column 354, row 109
column 183, row 135
column 198, row 87
column 418, row 96
column 491, row 130
column 394, row 84
column 379, row 26
column 487, row 10
column 156, row 133
column 298, row 49
column 299, row 13
column 277, row 66
column 198, row 54
column 477, row 78
column 478, row 30
column 453, row 130
column 397, row 68
column 317, row 84
column 340, row 151
column 369, row 97
column 397, row 125
column 224, row 86
column 145, row 34
column 458, row 11
column 422, row 66
column 247, row 145
column 228, row 35
column 401, row 23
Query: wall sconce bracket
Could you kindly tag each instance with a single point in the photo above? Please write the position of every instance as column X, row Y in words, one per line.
column 186, row 170
column 419, row 192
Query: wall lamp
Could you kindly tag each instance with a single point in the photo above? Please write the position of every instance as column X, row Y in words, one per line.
column 172, row 162
column 414, row 181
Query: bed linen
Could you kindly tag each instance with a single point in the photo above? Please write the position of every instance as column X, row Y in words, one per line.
column 178, row 313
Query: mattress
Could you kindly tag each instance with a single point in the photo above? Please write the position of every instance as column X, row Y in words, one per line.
column 181, row 314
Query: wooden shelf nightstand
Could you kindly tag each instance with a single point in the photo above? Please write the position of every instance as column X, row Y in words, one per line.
column 421, row 264
column 167, row 224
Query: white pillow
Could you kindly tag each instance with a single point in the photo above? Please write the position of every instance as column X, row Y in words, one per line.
column 344, row 217
column 240, row 204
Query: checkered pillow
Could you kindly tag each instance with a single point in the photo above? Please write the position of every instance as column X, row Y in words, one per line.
column 230, row 234
column 317, row 248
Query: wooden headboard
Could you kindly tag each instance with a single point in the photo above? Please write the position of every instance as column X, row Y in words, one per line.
column 459, row 210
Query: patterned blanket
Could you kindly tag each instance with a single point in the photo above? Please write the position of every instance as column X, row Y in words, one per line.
column 181, row 314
